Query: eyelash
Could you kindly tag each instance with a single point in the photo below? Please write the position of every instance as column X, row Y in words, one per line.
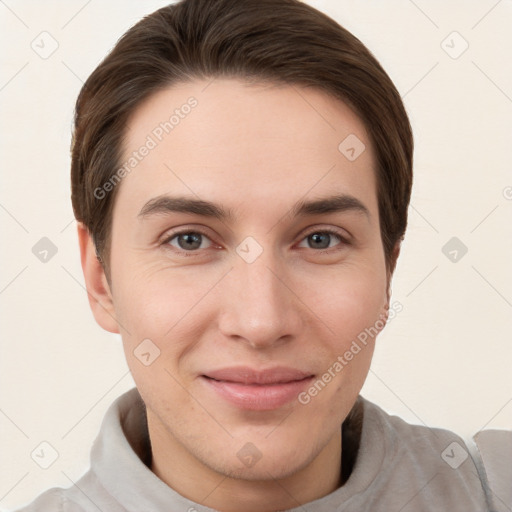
column 166, row 242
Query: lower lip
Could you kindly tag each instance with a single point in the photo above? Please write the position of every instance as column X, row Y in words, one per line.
column 258, row 397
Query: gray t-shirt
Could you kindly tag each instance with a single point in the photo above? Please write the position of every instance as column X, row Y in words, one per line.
column 392, row 466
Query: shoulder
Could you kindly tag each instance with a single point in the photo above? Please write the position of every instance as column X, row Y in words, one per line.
column 85, row 495
column 428, row 465
column 417, row 440
column 494, row 452
column 52, row 500
column 88, row 493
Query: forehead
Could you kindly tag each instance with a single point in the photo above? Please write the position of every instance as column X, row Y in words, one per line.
column 227, row 140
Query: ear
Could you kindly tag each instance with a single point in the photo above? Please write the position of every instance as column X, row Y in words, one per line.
column 384, row 314
column 392, row 265
column 98, row 289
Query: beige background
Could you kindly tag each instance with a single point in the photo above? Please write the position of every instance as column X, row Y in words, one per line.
column 445, row 360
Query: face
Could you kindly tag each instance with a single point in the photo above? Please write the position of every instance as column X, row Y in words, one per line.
column 245, row 240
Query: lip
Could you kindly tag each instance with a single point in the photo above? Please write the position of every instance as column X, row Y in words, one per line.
column 257, row 390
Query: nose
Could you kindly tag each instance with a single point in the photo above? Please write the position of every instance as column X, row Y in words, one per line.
column 259, row 305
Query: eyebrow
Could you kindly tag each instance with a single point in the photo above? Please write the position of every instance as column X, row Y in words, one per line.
column 331, row 204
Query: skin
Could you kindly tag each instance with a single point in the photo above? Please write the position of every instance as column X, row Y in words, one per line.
column 255, row 150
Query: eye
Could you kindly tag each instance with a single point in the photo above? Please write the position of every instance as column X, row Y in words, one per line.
column 189, row 241
column 193, row 241
column 322, row 240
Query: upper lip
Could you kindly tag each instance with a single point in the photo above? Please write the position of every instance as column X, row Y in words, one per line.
column 248, row 375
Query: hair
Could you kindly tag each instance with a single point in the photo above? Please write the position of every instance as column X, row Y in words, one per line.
column 282, row 42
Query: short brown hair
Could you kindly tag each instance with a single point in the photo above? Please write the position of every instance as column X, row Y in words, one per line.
column 277, row 41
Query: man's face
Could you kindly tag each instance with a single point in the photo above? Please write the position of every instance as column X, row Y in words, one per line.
column 271, row 283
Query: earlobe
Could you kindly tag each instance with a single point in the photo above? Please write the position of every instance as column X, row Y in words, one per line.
column 98, row 289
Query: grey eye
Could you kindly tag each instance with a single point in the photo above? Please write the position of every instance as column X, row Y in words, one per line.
column 189, row 241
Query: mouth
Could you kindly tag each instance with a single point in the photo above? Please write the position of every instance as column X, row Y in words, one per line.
column 250, row 389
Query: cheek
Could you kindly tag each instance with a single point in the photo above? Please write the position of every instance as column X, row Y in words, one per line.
column 352, row 311
column 155, row 309
column 157, row 303
column 349, row 301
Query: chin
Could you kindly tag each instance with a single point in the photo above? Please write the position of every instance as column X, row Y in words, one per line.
column 263, row 465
